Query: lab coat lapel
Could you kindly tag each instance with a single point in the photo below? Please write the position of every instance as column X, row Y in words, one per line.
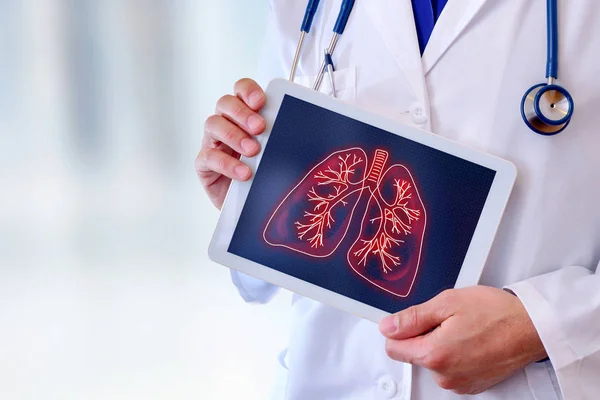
column 395, row 22
column 454, row 19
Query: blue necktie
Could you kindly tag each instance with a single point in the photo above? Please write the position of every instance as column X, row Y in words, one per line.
column 426, row 14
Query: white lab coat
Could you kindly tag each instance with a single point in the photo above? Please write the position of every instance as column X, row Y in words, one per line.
column 482, row 56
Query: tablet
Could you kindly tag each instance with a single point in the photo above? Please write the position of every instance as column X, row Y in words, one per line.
column 357, row 211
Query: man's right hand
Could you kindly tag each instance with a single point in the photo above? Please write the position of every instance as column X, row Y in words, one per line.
column 227, row 135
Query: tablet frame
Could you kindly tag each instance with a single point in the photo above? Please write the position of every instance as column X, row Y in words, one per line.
column 483, row 235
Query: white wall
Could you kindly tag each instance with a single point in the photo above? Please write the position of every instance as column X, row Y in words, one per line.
column 106, row 291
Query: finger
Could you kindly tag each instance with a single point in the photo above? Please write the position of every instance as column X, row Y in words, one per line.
column 251, row 93
column 217, row 161
column 429, row 351
column 222, row 130
column 239, row 113
column 412, row 351
column 418, row 319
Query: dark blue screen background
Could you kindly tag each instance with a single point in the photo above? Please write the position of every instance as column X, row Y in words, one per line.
column 453, row 191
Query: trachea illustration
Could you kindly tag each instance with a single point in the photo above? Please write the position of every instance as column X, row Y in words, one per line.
column 315, row 217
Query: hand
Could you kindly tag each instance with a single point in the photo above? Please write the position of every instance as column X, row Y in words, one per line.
column 227, row 135
column 470, row 339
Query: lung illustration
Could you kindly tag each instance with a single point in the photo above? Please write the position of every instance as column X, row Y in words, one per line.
column 387, row 251
column 317, row 214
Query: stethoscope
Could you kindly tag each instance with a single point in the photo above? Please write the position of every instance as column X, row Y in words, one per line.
column 546, row 108
column 338, row 30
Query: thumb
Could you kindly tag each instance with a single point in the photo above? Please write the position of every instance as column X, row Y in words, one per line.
column 416, row 320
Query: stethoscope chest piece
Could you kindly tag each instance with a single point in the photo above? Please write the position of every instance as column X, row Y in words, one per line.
column 547, row 108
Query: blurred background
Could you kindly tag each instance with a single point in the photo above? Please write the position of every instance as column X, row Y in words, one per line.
column 106, row 291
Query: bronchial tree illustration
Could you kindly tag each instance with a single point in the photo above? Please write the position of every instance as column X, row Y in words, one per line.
column 394, row 220
column 317, row 214
column 319, row 218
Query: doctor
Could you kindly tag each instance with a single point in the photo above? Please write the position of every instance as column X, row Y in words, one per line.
column 463, row 78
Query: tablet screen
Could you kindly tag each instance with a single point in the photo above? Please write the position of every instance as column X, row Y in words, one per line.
column 359, row 211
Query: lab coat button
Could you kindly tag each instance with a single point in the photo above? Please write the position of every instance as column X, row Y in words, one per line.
column 387, row 387
column 418, row 115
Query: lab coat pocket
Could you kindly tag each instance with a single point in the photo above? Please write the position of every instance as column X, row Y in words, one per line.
column 344, row 81
column 542, row 381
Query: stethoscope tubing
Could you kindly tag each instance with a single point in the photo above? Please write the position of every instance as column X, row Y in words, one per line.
column 309, row 16
column 340, row 25
column 552, row 40
column 338, row 30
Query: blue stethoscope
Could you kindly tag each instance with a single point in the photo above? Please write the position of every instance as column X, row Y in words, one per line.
column 546, row 108
column 338, row 30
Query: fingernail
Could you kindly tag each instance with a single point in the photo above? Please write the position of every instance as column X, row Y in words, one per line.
column 249, row 145
column 255, row 98
column 242, row 171
column 389, row 324
column 255, row 121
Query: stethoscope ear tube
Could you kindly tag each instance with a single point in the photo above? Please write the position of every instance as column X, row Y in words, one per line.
column 309, row 15
column 340, row 25
column 343, row 16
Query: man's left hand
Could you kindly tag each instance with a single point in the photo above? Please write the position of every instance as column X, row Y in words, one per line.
column 470, row 339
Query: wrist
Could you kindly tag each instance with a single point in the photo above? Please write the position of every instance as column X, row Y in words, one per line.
column 532, row 345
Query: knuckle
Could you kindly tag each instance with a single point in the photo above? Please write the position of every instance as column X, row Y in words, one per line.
column 221, row 163
column 239, row 112
column 448, row 296
column 224, row 102
column 410, row 318
column 233, row 107
column 244, row 87
column 210, row 123
column 436, row 360
column 446, row 382
column 200, row 158
column 200, row 161
column 242, row 84
column 203, row 169
column 231, row 134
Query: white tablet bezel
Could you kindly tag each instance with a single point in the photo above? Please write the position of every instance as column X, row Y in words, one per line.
column 478, row 249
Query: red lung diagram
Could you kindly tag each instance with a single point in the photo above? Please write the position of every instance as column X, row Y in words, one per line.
column 315, row 217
